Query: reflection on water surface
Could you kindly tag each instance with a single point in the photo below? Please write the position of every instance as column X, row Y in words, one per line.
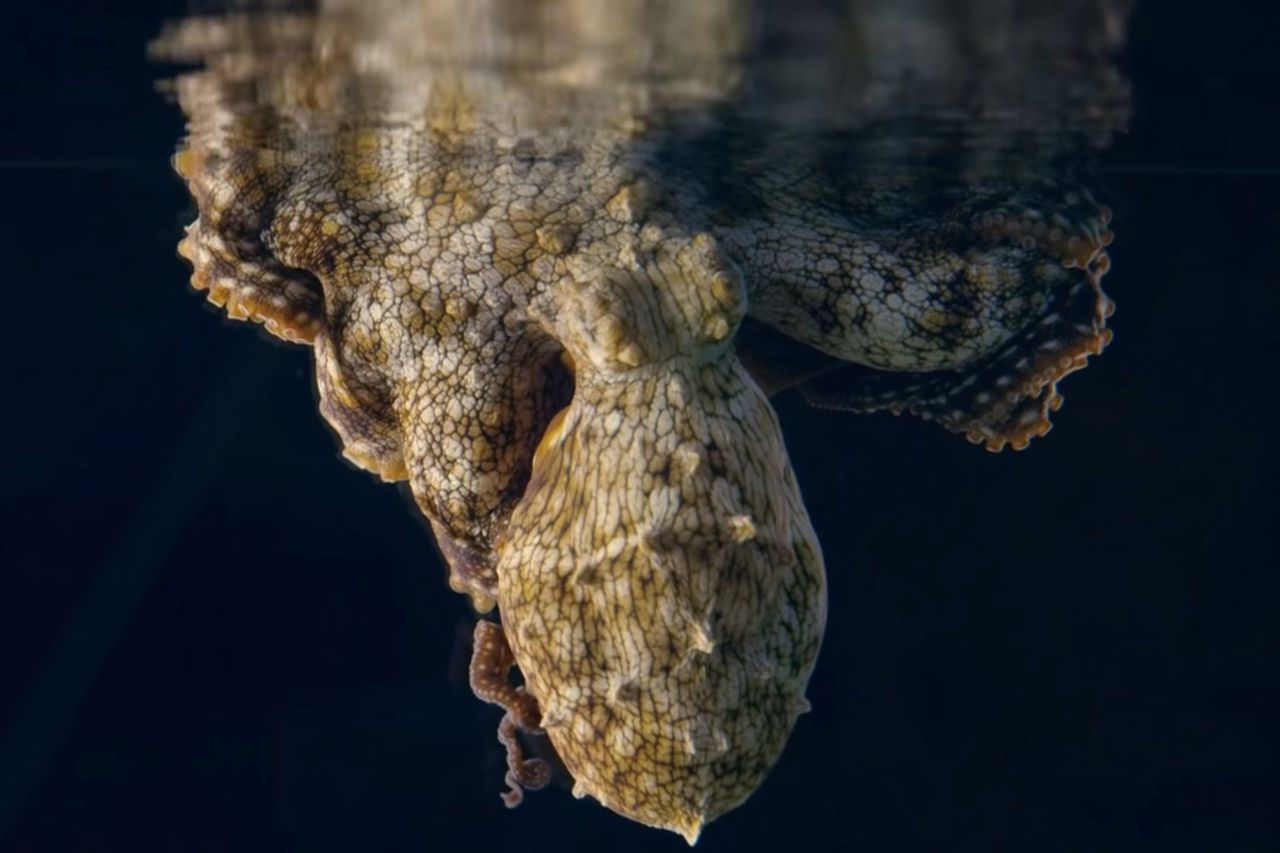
column 552, row 258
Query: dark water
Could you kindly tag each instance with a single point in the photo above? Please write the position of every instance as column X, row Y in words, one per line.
column 218, row 636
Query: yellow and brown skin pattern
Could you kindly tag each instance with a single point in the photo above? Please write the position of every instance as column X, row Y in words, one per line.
column 542, row 326
column 660, row 583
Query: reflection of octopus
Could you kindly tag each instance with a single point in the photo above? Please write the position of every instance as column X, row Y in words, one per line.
column 543, row 329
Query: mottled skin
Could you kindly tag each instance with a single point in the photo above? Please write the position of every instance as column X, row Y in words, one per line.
column 537, row 320
column 662, row 538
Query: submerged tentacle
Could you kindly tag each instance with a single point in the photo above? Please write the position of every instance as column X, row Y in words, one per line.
column 970, row 320
column 1004, row 400
column 229, row 258
column 933, row 294
column 491, row 662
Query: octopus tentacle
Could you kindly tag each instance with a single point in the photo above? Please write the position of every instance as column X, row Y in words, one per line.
column 970, row 320
column 1006, row 399
column 229, row 259
column 925, row 295
column 491, row 662
column 357, row 406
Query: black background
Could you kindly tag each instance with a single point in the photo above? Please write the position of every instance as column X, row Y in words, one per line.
column 216, row 636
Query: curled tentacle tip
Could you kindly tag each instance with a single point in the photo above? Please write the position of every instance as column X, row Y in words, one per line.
column 535, row 774
column 514, row 795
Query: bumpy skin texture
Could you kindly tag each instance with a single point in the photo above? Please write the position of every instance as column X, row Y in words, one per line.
column 551, row 296
column 662, row 587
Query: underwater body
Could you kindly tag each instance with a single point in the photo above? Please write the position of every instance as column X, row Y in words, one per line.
column 553, row 259
column 686, row 335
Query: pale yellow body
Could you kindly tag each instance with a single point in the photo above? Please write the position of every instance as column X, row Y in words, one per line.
column 660, row 583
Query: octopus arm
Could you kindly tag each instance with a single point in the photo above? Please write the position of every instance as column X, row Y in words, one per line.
column 970, row 319
column 1004, row 399
column 229, row 257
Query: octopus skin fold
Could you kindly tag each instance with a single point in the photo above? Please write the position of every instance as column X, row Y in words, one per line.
column 552, row 258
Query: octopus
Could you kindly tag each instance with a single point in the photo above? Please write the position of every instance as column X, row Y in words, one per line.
column 553, row 259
